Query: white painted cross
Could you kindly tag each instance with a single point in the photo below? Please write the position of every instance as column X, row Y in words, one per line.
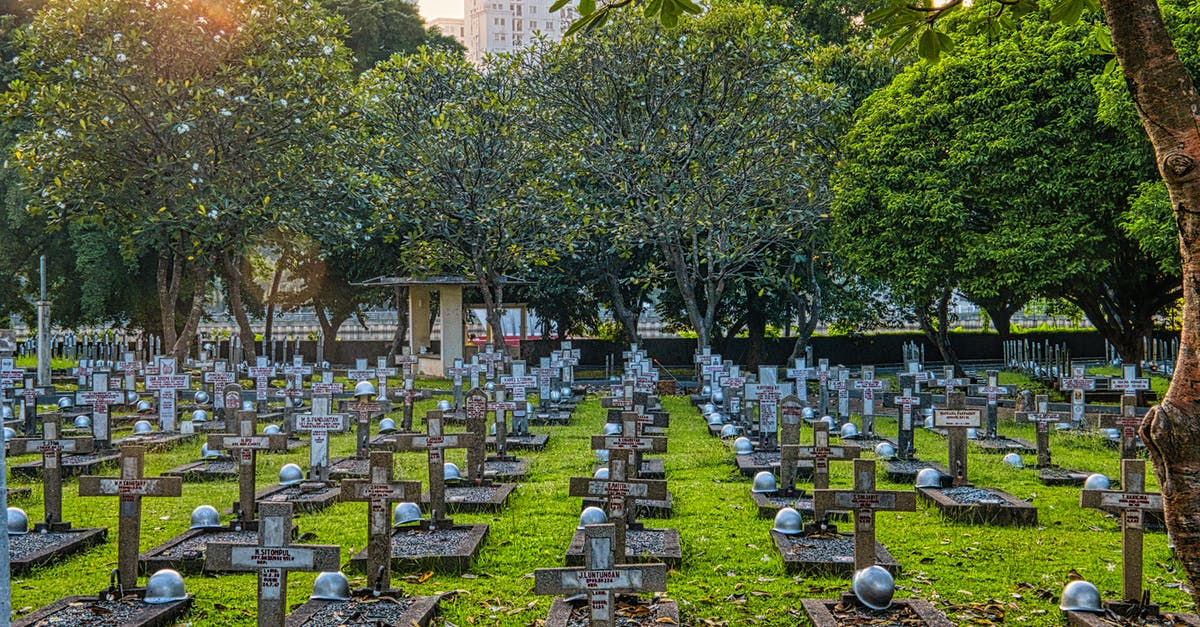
column 167, row 382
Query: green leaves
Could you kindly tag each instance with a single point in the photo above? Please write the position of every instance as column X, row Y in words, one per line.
column 933, row 43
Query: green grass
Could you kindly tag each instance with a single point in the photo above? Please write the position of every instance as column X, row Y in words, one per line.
column 731, row 574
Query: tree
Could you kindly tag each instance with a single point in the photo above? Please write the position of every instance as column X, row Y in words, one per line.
column 377, row 29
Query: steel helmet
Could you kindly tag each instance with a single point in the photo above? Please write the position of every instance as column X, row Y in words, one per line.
column 144, row 406
column 207, row 453
column 290, row 474
column 271, row 430
column 929, row 478
column 592, row 516
column 247, row 405
column 873, row 587
column 743, row 446
column 9, row 433
column 972, row 433
column 602, row 455
column 165, row 586
column 451, row 472
column 1080, row 596
column 490, row 386
column 131, row 397
column 1097, row 482
column 83, row 422
column 1062, row 426
column 849, row 430
column 200, row 397
column 364, row 388
column 65, row 402
column 718, row 396
column 566, row 392
column 708, row 408
column 331, row 587
column 729, row 431
column 387, row 425
column 764, row 482
column 555, row 396
column 715, row 419
column 405, row 513
column 807, row 413
column 205, row 517
column 1014, row 460
column 1111, row 433
column 6, row 412
column 199, row 416
column 142, row 427
column 788, row 522
column 444, row 405
column 18, row 522
column 491, row 431
column 529, row 408
column 612, row 428
column 706, row 390
column 885, row 450
column 928, row 422
column 601, row 473
column 829, row 421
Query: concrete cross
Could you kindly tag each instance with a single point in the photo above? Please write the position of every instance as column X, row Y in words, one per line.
column 51, row 445
column 823, row 384
column 993, row 391
column 869, row 385
column 28, row 416
column 841, row 384
column 99, row 398
column 1129, row 383
column 822, row 453
column 261, row 372
column 382, row 372
column 516, row 384
column 1132, row 501
column 130, row 487
column 768, row 392
column 272, row 558
column 949, row 382
column 956, row 419
column 1043, row 417
column 456, row 374
column 602, row 576
column 905, row 444
column 864, row 500
column 363, row 409
column 734, row 386
column 319, row 423
column 166, row 382
column 501, row 408
column 435, row 442
column 1077, row 384
column 620, row 492
column 244, row 447
column 791, row 408
column 408, row 366
column 475, row 408
column 129, row 366
column 801, row 374
column 379, row 491
column 1128, row 422
column 218, row 378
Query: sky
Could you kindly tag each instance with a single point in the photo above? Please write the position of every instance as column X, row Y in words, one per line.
column 440, row 8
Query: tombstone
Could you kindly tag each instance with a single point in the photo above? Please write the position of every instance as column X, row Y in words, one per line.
column 1130, row 384
column 869, row 386
column 821, row 454
column 166, row 382
column 131, row 486
column 440, row 498
column 408, row 365
column 841, row 385
column 801, row 374
column 1043, row 418
column 993, row 391
column 379, row 491
column 319, row 423
column 261, row 372
column 601, row 579
column 244, row 446
column 905, row 444
column 791, row 408
column 1129, row 422
column 1077, row 385
column 272, row 558
column 864, row 500
column 767, row 393
column 99, row 398
column 474, row 408
column 363, row 410
column 620, row 494
column 382, row 372
column 519, row 437
column 956, row 419
column 629, row 445
column 456, row 373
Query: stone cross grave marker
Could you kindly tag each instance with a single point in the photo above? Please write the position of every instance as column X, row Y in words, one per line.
column 363, row 408
column 319, row 423
column 1077, row 384
column 869, row 385
column 456, row 374
column 993, row 391
column 9, row 375
column 130, row 487
column 490, row 357
column 501, row 408
column 272, row 558
column 1043, row 417
column 435, row 442
column 218, row 378
column 129, row 367
column 1132, row 501
column 842, row 385
column 768, row 392
column 408, row 367
column 244, row 447
column 823, row 385
column 619, row 490
column 28, row 398
column 700, row 359
column 1128, row 422
column 475, row 408
column 261, row 372
column 545, row 374
column 791, row 409
column 822, row 453
column 379, row 491
column 602, row 576
column 166, row 382
column 99, row 398
column 956, row 419
column 905, row 444
column 1129, row 383
column 293, row 390
column 52, row 446
column 733, row 384
column 382, row 372
column 801, row 374
column 516, row 383
column 949, row 383
column 712, row 370
column 475, row 371
column 864, row 500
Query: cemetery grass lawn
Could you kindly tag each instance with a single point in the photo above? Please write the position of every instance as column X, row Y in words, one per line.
column 731, row 574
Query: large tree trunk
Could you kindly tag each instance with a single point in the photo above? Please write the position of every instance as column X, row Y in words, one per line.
column 188, row 333
column 626, row 315
column 1167, row 103
column 808, row 311
column 272, row 296
column 401, row 323
column 167, row 279
column 939, row 334
column 756, row 331
column 686, row 284
column 233, row 275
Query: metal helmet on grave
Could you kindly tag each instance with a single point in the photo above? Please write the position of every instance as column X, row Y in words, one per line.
column 9, row 433
column 612, row 428
column 65, row 402
column 874, row 587
column 144, row 407
column 808, row 414
column 1080, row 596
column 1014, row 460
column 83, row 422
column 207, row 453
column 444, row 405
column 142, row 427
column 972, row 433
column 271, row 430
column 764, row 482
column 601, row 473
column 248, row 405
column 6, row 412
column 200, row 397
column 199, row 416
column 165, row 586
column 555, row 396
column 592, row 516
column 1097, row 481
column 707, row 409
column 849, row 430
column 565, row 393
column 290, row 474
column 716, row 419
column 131, row 397
column 743, row 446
column 706, row 390
column 205, row 517
column 788, row 522
column 885, row 451
column 387, row 425
column 405, row 513
column 718, row 396
column 928, row 478
column 364, row 388
column 331, row 586
column 451, row 472
column 18, row 522
column 729, row 431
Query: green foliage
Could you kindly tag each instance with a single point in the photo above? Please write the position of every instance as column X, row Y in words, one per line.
column 1150, row 222
column 377, row 29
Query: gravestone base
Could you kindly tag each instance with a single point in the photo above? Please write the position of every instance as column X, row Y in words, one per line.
column 905, row 470
column 185, row 552
column 527, row 442
column 391, row 607
column 387, row 441
column 471, row 498
column 505, row 469
column 33, row 549
column 770, row 504
column 1001, row 445
column 307, row 497
column 292, row 445
column 758, row 461
column 651, row 468
column 1053, row 475
column 825, row 554
column 715, row 430
column 656, row 613
column 157, row 442
column 846, row 612
column 1114, row 618
column 440, row 550
column 642, row 546
column 645, row 508
column 867, row 442
column 72, row 465
column 980, row 506
column 348, row 468
column 205, row 470
column 128, row 611
column 550, row 417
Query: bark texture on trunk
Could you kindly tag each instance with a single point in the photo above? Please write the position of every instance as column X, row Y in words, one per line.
column 233, row 274
column 398, row 339
column 627, row 315
column 1168, row 106
column 939, row 333
column 808, row 311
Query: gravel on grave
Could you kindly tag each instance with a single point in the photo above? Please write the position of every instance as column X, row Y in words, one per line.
column 965, row 495
column 645, row 542
column 1150, row 621
column 907, row 465
column 364, row 613
column 298, row 493
column 765, row 459
column 630, row 612
column 502, row 468
column 351, row 465
column 895, row 616
column 25, row 545
column 220, row 466
column 526, row 438
column 822, row 548
column 84, row 458
column 470, row 494
column 194, row 546
column 804, row 503
column 422, row 543
column 124, row 611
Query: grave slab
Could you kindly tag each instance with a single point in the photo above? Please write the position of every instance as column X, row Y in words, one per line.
column 645, row 508
column 847, row 613
column 646, row 545
column 506, row 470
column 210, row 470
column 769, row 504
column 825, row 554
column 185, row 552
column 980, row 506
column 1110, row 619
column 656, row 613
column 307, row 497
column 30, row 550
column 72, row 465
column 527, row 442
column 127, row 611
column 1062, row 476
column 391, row 607
column 471, row 498
column 1001, row 445
column 905, row 470
column 415, row 549
column 348, row 468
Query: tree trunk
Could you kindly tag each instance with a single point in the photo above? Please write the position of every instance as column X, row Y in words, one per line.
column 808, row 310
column 401, row 323
column 233, row 274
column 1167, row 103
column 1002, row 321
column 167, row 280
column 940, row 335
column 328, row 329
column 199, row 291
column 269, row 322
column 628, row 317
column 756, row 330
column 687, row 291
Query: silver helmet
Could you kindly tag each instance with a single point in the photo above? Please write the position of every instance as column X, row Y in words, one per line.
column 387, row 425
column 1111, row 433
column 331, row 587
column 602, row 456
column 972, row 433
column 829, row 421
column 808, row 414
column 715, row 419
column 529, row 408
column 200, row 397
column 364, row 388
column 205, row 517
column 612, row 428
column 743, row 446
column 9, row 433
column 729, row 431
column 601, row 473
column 928, row 422
column 144, row 407
column 290, row 474
column 83, row 422
column 764, row 482
column 450, row 471
column 788, row 522
column 6, row 412
column 65, row 402
column 1014, row 460
column 592, row 516
column 929, row 478
column 18, row 522
column 1080, row 596
column 199, row 416
column 207, row 453
column 444, row 405
column 718, row 396
column 885, row 450
column 706, row 390
column 271, row 430
column 565, row 393
column 405, row 513
column 490, row 386
column 1097, row 481
column 874, row 587
column 555, row 396
column 849, row 430
column 142, row 427
column 131, row 397
column 248, row 405
column 708, row 408
column 165, row 586
column 491, row 431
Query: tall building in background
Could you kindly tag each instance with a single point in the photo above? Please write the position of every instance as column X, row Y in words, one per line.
column 506, row 25
column 450, row 27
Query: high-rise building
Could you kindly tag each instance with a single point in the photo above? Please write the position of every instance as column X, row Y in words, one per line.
column 450, row 27
column 506, row 25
